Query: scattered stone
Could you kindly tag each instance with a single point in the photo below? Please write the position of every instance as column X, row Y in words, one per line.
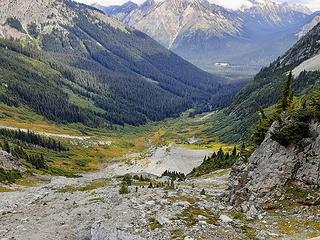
column 162, row 220
column 183, row 204
column 188, row 238
column 151, row 202
column 252, row 212
column 225, row 219
column 202, row 222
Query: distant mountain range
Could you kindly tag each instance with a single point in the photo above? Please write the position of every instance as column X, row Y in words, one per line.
column 70, row 62
column 236, row 43
column 303, row 59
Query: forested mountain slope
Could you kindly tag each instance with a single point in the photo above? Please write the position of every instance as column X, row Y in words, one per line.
column 72, row 63
column 266, row 88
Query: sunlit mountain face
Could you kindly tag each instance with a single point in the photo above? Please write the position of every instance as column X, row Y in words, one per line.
column 207, row 34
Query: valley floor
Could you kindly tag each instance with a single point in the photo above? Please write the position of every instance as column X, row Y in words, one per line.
column 90, row 207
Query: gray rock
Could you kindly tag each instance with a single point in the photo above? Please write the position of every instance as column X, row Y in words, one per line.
column 162, row 219
column 271, row 166
column 225, row 219
column 188, row 238
column 182, row 204
column 102, row 231
column 252, row 212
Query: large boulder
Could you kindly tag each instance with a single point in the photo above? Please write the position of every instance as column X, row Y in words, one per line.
column 272, row 166
column 102, row 230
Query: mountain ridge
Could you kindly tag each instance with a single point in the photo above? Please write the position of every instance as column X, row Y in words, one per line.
column 265, row 89
column 207, row 34
column 119, row 70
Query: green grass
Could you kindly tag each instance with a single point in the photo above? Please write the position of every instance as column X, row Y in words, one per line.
column 6, row 189
column 154, row 224
column 177, row 234
column 128, row 139
column 190, row 216
column 83, row 102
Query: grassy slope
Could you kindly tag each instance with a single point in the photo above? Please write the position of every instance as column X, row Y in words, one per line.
column 266, row 89
column 89, row 156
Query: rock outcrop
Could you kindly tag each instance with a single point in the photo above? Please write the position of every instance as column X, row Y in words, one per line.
column 8, row 162
column 272, row 166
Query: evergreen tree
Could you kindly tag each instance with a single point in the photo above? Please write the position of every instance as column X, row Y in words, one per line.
column 242, row 149
column 127, row 179
column 234, row 152
column 6, row 146
column 220, row 154
column 141, row 178
column 262, row 114
column 287, row 94
column 172, row 184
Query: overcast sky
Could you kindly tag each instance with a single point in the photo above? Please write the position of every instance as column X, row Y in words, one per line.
column 312, row 4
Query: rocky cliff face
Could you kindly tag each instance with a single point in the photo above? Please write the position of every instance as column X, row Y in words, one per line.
column 272, row 166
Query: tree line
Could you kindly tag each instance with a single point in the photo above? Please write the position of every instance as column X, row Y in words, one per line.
column 30, row 137
column 36, row 160
column 218, row 160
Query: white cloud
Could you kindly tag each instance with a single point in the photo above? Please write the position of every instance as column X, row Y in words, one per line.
column 232, row 4
column 313, row 4
column 108, row 2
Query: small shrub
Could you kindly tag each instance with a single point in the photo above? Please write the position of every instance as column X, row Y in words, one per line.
column 15, row 23
column 136, row 177
column 127, row 180
column 154, row 224
column 9, row 176
column 291, row 132
column 33, row 30
column 124, row 189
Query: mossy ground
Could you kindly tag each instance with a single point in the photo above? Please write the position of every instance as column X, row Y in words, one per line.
column 190, row 216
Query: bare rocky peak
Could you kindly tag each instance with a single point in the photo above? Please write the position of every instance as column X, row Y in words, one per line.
column 270, row 5
column 306, row 48
column 307, row 28
column 168, row 20
column 47, row 15
column 271, row 12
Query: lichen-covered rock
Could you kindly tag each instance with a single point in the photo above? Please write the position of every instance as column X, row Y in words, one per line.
column 272, row 166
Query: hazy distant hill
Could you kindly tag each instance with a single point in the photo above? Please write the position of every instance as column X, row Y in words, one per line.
column 266, row 87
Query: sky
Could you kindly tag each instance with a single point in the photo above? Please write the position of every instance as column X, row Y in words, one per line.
column 233, row 4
